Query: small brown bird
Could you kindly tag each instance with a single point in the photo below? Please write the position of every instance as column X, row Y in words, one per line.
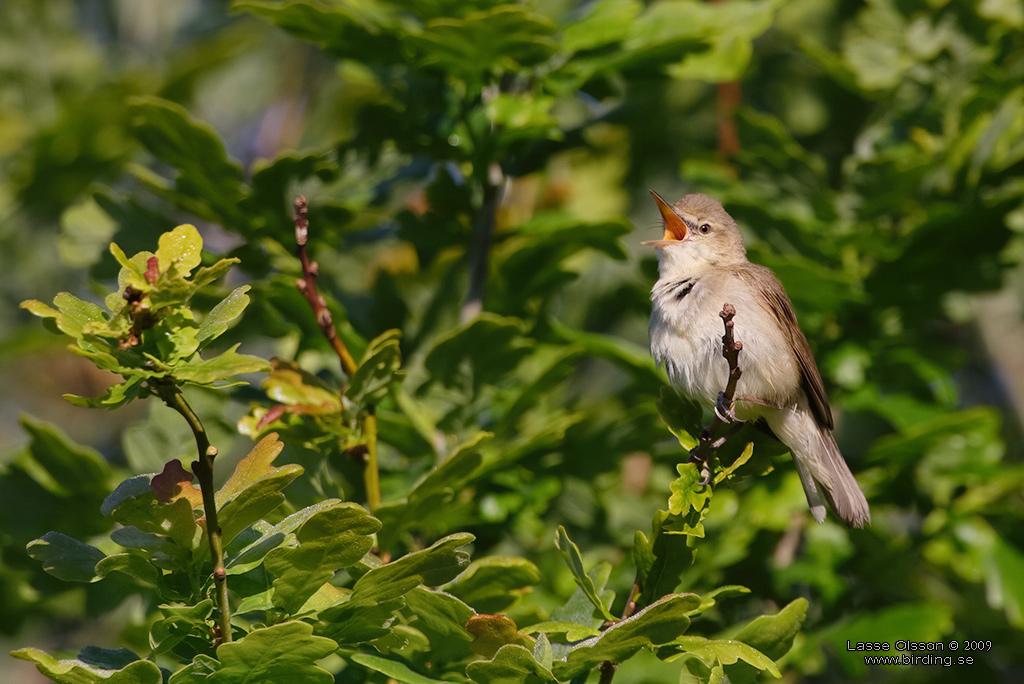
column 703, row 265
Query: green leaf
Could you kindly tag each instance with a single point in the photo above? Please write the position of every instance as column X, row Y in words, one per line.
column 61, row 466
column 442, row 619
column 435, row 489
column 225, row 365
column 334, row 538
column 274, row 536
column 77, row 672
column 254, row 489
column 571, row 630
column 572, row 557
column 491, row 41
column 357, row 623
column 670, row 555
column 115, row 396
column 131, row 488
column 487, row 348
column 362, row 31
column 727, row 472
column 208, row 274
column 911, row 622
column 221, row 316
column 135, row 567
column 643, row 555
column 680, row 415
column 710, row 598
column 631, row 358
column 180, row 622
column 606, row 22
column 377, row 371
column 71, row 315
column 138, row 507
column 182, row 247
column 690, row 500
column 579, row 609
column 393, row 669
column 379, row 593
column 512, row 664
column 543, row 252
column 107, row 658
column 66, row 558
column 495, row 583
column 773, row 634
column 439, row 563
column 281, row 654
column 1005, row 580
column 657, row 624
column 196, row 672
column 724, row 652
column 208, row 184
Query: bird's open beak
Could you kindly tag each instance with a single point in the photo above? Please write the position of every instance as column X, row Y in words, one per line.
column 675, row 228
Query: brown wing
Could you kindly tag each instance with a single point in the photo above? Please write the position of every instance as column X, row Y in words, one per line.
column 777, row 303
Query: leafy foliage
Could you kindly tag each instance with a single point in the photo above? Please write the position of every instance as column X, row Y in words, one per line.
column 526, row 475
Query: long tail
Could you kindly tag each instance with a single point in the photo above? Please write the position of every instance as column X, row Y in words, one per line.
column 826, row 478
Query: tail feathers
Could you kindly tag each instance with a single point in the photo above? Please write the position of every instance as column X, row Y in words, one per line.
column 826, row 477
column 815, row 499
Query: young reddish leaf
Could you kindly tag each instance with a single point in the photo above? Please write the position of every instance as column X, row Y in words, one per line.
column 152, row 270
column 173, row 483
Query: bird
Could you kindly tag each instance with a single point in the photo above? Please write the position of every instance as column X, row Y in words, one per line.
column 703, row 265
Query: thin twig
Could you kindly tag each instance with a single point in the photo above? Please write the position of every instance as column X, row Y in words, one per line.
column 728, row 100
column 483, row 232
column 202, row 468
column 707, row 444
column 608, row 667
column 307, row 286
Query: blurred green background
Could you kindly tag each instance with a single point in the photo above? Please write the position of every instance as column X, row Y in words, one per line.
column 871, row 152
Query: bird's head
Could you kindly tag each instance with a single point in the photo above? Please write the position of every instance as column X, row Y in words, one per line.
column 699, row 233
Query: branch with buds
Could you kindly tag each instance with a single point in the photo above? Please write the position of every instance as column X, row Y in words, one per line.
column 307, row 286
column 707, row 443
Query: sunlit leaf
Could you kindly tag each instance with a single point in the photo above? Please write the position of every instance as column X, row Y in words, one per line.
column 77, row 672
column 571, row 554
column 65, row 557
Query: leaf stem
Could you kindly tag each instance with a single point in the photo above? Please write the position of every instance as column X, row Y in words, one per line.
column 371, row 472
column 202, row 468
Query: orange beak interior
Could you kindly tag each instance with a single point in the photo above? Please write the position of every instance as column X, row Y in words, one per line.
column 675, row 228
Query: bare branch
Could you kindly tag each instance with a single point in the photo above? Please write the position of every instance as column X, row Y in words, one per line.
column 307, row 286
column 707, row 444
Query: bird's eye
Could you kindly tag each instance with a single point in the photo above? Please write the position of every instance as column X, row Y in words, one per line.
column 705, row 228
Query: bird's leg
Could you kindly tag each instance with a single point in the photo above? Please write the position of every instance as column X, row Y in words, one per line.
column 732, row 431
column 724, row 410
column 755, row 400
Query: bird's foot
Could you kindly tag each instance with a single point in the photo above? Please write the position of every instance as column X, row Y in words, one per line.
column 724, row 410
column 702, row 465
